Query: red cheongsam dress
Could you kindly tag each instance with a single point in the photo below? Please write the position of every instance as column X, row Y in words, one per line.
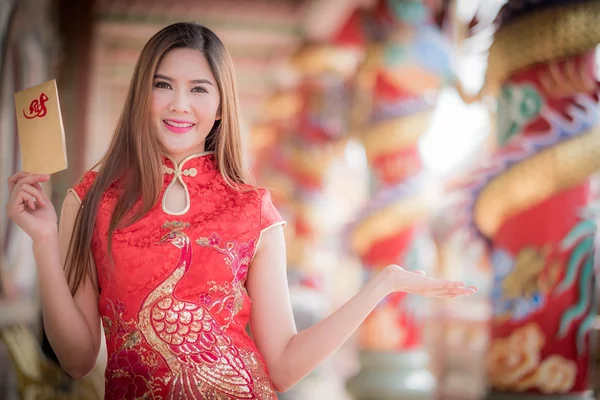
column 173, row 302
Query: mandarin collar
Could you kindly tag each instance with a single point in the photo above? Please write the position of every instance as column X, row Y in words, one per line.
column 192, row 165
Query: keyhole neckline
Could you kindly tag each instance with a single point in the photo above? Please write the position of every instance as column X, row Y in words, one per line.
column 178, row 171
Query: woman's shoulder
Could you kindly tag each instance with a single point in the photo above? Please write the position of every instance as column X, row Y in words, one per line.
column 262, row 204
column 251, row 192
column 84, row 184
column 250, row 195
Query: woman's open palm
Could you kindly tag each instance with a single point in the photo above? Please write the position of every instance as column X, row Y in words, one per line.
column 417, row 282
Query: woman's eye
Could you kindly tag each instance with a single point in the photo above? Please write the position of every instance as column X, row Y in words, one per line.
column 162, row 85
column 199, row 89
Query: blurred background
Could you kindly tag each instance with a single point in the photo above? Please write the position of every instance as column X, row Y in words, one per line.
column 459, row 137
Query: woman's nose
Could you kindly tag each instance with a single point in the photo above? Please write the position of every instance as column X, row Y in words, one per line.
column 180, row 102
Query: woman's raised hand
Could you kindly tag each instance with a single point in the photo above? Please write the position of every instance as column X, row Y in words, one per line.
column 398, row 279
column 29, row 207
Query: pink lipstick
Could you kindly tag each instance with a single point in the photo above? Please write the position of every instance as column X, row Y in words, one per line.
column 178, row 126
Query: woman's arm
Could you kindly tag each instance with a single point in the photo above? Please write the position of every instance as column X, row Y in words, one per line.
column 72, row 323
column 289, row 355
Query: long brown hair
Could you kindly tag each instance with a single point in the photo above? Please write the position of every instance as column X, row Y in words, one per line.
column 134, row 154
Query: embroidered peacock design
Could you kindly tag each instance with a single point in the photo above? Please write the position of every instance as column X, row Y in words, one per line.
column 203, row 361
column 237, row 258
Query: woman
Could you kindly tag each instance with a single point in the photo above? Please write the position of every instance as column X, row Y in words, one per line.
column 169, row 246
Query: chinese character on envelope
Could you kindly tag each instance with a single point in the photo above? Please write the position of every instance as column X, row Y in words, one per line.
column 41, row 131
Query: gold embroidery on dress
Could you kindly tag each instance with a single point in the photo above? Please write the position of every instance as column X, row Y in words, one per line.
column 132, row 365
column 202, row 359
column 263, row 388
column 237, row 257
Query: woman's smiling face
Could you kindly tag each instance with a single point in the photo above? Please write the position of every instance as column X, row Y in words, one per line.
column 185, row 102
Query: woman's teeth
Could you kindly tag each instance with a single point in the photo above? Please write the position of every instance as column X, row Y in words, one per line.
column 178, row 124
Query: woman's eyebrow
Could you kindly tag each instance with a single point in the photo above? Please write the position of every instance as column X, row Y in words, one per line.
column 166, row 78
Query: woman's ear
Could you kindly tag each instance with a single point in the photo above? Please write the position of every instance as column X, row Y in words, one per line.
column 218, row 116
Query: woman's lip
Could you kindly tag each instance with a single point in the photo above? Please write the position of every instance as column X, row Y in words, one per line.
column 176, row 129
column 178, row 121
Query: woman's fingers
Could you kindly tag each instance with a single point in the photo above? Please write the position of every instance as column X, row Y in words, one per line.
column 26, row 199
column 417, row 282
column 32, row 181
column 454, row 284
column 36, row 194
column 12, row 180
column 445, row 289
column 451, row 293
column 433, row 283
column 26, row 177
